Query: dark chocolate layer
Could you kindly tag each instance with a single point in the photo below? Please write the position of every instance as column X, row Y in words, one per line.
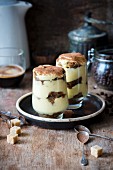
column 53, row 95
column 73, row 83
column 75, row 100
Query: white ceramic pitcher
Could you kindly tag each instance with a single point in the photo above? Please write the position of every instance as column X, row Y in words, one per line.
column 12, row 25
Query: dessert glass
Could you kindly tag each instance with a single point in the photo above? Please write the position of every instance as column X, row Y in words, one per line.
column 49, row 91
column 75, row 66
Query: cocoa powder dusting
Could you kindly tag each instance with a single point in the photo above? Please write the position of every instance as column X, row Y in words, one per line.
column 49, row 69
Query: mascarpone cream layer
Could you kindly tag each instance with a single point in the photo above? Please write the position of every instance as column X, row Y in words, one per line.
column 41, row 89
column 43, row 106
column 75, row 73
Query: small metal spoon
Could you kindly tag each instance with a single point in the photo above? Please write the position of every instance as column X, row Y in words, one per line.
column 7, row 116
column 83, row 137
column 79, row 128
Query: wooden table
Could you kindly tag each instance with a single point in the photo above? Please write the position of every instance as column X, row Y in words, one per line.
column 45, row 149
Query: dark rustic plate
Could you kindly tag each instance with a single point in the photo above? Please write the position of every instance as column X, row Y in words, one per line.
column 93, row 105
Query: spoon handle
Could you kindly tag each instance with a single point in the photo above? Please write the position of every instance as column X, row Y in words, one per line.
column 84, row 161
column 100, row 136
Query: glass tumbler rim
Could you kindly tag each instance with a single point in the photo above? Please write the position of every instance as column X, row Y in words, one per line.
column 17, row 51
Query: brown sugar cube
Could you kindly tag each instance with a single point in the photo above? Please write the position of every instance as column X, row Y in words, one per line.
column 12, row 138
column 15, row 122
column 96, row 151
column 15, row 130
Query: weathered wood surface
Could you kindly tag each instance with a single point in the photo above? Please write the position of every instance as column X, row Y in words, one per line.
column 44, row 149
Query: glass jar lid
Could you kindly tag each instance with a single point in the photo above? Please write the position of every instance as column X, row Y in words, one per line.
column 86, row 33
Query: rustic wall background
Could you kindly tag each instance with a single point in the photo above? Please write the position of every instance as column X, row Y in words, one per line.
column 48, row 22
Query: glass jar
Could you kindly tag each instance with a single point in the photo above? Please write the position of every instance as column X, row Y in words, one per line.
column 102, row 69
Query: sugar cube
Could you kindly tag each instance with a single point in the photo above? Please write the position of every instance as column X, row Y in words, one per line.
column 12, row 138
column 15, row 130
column 96, row 151
column 15, row 122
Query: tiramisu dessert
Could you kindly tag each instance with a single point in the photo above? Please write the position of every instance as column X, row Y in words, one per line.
column 49, row 93
column 76, row 76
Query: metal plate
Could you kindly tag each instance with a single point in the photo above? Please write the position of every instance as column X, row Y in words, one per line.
column 92, row 106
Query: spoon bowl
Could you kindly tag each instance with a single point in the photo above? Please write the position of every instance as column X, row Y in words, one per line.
column 83, row 136
column 79, row 128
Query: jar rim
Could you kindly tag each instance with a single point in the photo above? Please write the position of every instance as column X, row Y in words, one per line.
column 104, row 57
